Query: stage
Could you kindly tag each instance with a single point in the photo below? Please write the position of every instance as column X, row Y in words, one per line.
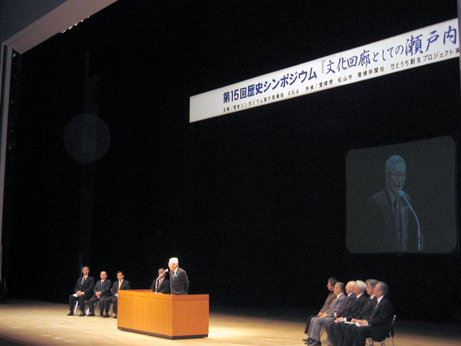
column 40, row 323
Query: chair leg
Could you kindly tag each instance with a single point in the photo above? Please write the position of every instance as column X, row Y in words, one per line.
column 75, row 306
column 88, row 308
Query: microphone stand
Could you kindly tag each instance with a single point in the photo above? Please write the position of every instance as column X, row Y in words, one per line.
column 420, row 235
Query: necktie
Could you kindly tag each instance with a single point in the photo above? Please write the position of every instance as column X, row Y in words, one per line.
column 158, row 285
column 374, row 310
column 119, row 285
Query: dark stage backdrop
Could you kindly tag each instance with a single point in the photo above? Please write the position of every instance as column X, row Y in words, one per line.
column 253, row 203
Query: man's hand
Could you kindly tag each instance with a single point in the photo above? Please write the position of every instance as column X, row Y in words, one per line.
column 79, row 293
column 98, row 295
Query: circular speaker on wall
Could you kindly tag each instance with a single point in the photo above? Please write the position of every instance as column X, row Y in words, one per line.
column 86, row 138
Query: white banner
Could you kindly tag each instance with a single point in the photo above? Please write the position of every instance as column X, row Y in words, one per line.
column 416, row 48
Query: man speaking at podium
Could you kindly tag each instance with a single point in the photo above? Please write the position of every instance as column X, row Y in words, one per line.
column 179, row 282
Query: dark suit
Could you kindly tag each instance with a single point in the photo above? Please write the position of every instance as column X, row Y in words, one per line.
column 378, row 325
column 348, row 305
column 335, row 333
column 104, row 288
column 179, row 282
column 84, row 286
column 357, row 308
column 114, row 295
column 380, row 233
column 161, row 286
column 347, row 333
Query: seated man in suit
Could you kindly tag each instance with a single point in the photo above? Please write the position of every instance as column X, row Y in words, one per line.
column 82, row 291
column 120, row 284
column 348, row 305
column 330, row 286
column 179, row 282
column 346, row 315
column 318, row 322
column 345, row 332
column 161, row 284
column 378, row 324
column 101, row 291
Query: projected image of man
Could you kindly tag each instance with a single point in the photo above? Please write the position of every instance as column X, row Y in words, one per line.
column 389, row 225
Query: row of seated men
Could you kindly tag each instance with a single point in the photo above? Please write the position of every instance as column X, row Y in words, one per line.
column 351, row 314
column 86, row 291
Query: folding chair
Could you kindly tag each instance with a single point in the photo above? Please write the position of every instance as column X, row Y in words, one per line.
column 76, row 307
column 390, row 335
column 96, row 305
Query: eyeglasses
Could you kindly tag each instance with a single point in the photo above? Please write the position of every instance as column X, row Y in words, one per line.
column 398, row 175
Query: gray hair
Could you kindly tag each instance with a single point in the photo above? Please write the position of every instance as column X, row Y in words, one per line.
column 392, row 161
column 383, row 288
column 340, row 285
column 174, row 260
column 362, row 285
column 372, row 282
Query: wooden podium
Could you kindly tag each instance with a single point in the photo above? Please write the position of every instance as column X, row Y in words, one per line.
column 163, row 315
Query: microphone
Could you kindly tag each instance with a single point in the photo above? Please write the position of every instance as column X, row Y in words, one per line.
column 166, row 271
column 420, row 235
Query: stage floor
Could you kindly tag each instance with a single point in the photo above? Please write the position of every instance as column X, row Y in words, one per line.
column 40, row 323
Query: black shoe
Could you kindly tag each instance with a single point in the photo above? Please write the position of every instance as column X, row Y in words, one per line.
column 70, row 314
column 91, row 314
column 105, row 315
column 82, row 314
column 306, row 339
column 115, row 316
